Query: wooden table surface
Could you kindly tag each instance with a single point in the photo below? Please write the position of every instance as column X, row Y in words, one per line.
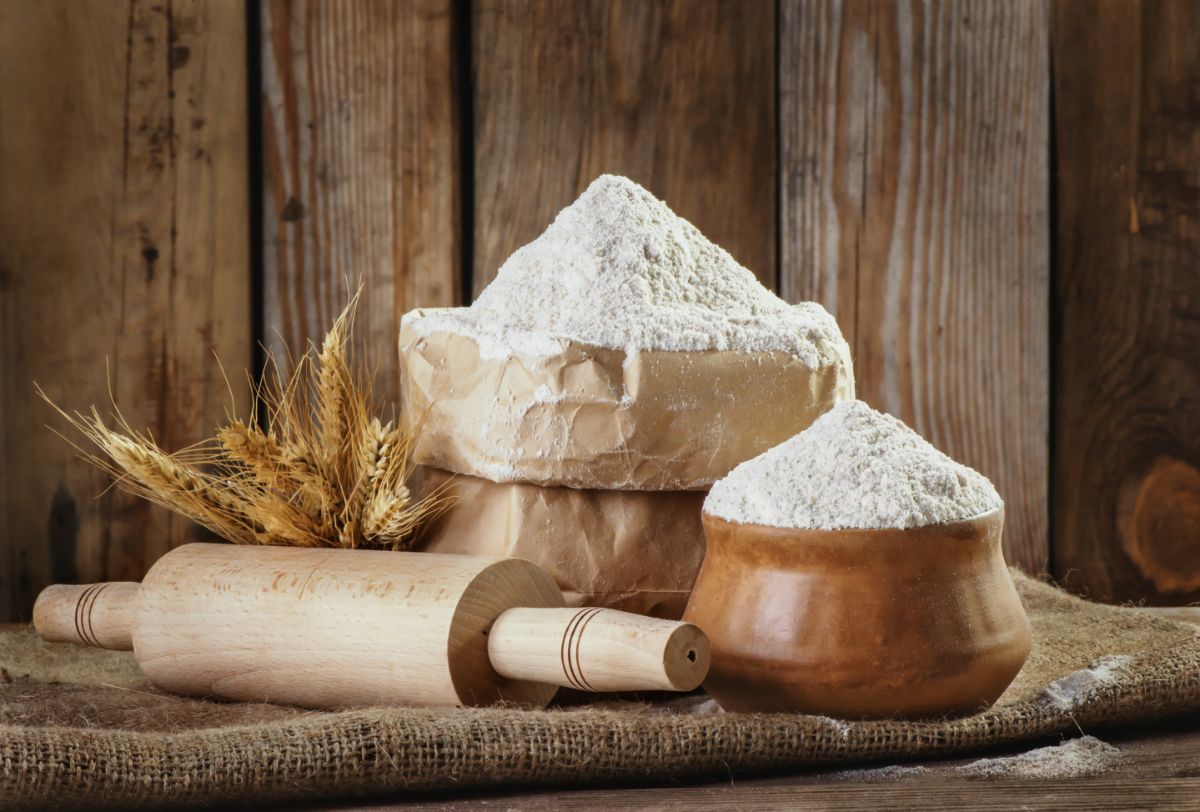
column 1158, row 770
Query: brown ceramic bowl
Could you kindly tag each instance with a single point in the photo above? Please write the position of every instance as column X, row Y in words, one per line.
column 859, row 623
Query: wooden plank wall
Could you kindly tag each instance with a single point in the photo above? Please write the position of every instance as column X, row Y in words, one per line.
column 914, row 187
column 359, row 167
column 678, row 95
column 891, row 160
column 1127, row 414
column 123, row 234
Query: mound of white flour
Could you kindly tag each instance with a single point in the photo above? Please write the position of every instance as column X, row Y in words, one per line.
column 619, row 269
column 853, row 468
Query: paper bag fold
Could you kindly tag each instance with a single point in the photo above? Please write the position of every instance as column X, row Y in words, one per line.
column 639, row 551
column 590, row 417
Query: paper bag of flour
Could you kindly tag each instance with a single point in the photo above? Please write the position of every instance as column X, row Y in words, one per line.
column 620, row 349
column 593, row 417
column 638, row 551
column 614, row 369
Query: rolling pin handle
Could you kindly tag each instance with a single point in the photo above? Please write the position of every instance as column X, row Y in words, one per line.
column 99, row 615
column 598, row 650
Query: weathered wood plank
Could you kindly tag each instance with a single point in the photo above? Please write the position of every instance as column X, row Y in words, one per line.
column 914, row 205
column 360, row 168
column 1127, row 385
column 678, row 95
column 123, row 234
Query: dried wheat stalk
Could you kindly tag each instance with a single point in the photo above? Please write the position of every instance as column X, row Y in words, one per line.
column 323, row 472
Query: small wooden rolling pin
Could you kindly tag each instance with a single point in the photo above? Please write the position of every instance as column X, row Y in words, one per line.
column 338, row 628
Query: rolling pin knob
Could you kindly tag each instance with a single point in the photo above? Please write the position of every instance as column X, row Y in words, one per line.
column 99, row 615
column 598, row 650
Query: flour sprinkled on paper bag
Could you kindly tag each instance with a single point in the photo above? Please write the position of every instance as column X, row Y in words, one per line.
column 853, row 468
column 619, row 269
column 622, row 350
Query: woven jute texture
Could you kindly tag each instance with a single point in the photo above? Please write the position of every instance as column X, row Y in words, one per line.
column 80, row 726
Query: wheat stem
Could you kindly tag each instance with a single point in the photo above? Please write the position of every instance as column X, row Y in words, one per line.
column 324, row 473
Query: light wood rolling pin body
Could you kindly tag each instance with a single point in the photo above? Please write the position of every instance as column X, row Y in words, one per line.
column 339, row 628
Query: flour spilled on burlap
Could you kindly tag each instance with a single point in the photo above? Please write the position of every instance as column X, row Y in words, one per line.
column 1080, row 686
column 853, row 468
column 618, row 269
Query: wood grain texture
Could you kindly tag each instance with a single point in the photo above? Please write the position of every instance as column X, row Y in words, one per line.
column 678, row 95
column 779, row 605
column 598, row 649
column 360, row 169
column 1127, row 386
column 914, row 205
column 265, row 623
column 123, row 234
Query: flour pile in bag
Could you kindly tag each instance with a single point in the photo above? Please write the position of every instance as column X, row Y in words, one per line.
column 618, row 269
column 853, row 468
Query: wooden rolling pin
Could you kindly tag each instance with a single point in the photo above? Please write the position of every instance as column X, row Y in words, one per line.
column 338, row 628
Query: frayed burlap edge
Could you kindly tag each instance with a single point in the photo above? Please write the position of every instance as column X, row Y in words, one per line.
column 356, row 753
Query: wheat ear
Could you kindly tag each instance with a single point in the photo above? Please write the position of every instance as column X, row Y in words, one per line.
column 258, row 452
column 324, row 471
column 140, row 467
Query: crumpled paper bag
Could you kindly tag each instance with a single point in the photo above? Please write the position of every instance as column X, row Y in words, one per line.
column 639, row 551
column 590, row 417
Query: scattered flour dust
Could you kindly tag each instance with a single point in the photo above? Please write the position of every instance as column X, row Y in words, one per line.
column 1079, row 686
column 892, row 772
column 1072, row 759
column 837, row 725
column 687, row 705
column 852, row 468
column 696, row 705
column 618, row 269
column 1086, row 755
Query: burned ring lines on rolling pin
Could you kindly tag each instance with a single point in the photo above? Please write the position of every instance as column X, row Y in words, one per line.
column 83, row 614
column 569, row 649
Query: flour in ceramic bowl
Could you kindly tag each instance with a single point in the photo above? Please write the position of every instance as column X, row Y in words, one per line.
column 853, row 468
column 618, row 269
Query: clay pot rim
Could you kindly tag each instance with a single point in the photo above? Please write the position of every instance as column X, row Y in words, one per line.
column 973, row 529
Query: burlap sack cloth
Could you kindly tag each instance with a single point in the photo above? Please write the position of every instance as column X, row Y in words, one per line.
column 80, row 726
